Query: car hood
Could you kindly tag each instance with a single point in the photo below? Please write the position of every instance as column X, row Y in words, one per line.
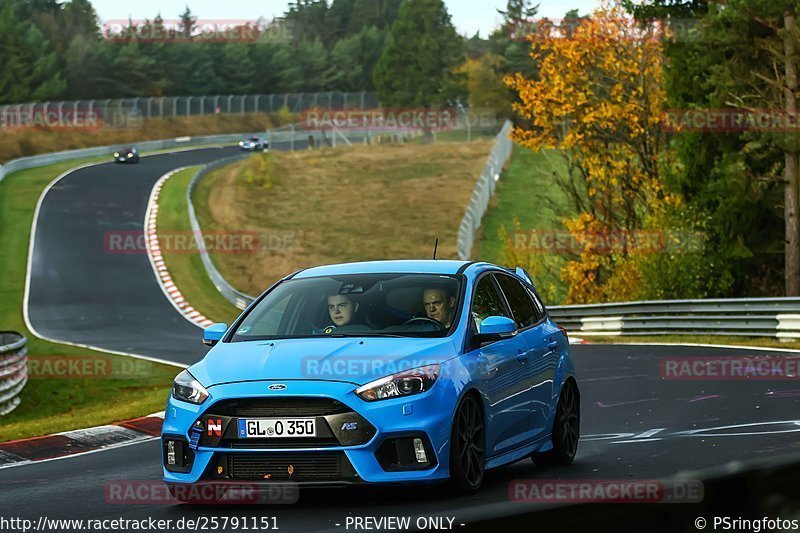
column 356, row 360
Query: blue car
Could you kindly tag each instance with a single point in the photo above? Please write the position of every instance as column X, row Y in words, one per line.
column 377, row 372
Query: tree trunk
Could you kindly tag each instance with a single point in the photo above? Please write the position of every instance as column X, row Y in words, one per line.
column 792, row 247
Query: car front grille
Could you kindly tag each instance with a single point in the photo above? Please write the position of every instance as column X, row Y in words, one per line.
column 275, row 407
column 287, row 466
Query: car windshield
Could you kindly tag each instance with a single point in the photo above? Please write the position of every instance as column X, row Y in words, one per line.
column 254, row 139
column 390, row 305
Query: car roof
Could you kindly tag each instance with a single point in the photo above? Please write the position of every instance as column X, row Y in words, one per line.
column 410, row 266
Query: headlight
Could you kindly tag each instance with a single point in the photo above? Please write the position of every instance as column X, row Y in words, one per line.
column 130, row 155
column 188, row 389
column 116, row 154
column 405, row 383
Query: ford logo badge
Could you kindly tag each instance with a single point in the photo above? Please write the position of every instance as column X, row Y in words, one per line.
column 277, row 386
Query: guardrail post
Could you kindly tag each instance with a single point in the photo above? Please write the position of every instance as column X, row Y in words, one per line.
column 13, row 369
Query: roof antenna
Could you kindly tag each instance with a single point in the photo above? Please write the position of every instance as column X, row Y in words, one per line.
column 435, row 246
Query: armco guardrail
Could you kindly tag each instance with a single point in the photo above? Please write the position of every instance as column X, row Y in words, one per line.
column 483, row 191
column 747, row 317
column 13, row 369
column 57, row 157
column 236, row 297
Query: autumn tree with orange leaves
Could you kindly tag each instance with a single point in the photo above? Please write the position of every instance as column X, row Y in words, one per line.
column 598, row 99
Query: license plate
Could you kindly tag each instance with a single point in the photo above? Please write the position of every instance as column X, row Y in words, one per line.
column 276, row 427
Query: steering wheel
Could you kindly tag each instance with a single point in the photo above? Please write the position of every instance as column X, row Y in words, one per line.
column 426, row 320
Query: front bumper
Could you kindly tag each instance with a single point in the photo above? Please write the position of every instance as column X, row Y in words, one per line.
column 357, row 444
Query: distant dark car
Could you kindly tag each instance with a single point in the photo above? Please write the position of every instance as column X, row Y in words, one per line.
column 126, row 155
column 253, row 144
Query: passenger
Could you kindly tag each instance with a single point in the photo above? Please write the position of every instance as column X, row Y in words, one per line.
column 439, row 306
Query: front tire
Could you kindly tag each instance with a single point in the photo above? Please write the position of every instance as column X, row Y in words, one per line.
column 566, row 429
column 468, row 447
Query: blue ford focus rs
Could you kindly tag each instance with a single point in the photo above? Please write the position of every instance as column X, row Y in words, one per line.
column 377, row 372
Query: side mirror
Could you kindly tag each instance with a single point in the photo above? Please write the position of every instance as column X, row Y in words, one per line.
column 494, row 328
column 213, row 333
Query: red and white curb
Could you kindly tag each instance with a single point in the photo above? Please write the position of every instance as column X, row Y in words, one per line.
column 80, row 441
column 578, row 340
column 157, row 260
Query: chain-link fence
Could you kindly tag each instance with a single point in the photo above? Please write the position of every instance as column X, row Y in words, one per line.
column 117, row 111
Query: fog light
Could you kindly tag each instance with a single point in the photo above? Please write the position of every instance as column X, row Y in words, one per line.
column 171, row 452
column 419, row 450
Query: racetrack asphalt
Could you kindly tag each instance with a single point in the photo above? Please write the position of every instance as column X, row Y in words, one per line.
column 635, row 424
column 87, row 290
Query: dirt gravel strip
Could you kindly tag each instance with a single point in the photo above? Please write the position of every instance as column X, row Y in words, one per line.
column 58, row 445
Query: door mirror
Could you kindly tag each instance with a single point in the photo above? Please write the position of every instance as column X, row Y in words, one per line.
column 494, row 328
column 213, row 333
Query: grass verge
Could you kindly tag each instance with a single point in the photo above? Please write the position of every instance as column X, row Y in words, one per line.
column 349, row 204
column 186, row 266
column 49, row 404
column 756, row 342
column 527, row 196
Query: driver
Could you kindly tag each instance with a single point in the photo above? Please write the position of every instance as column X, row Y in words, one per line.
column 439, row 306
column 341, row 309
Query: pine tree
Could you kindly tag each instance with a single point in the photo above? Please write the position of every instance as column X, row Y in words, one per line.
column 418, row 65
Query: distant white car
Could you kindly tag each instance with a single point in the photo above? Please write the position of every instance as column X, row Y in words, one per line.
column 253, row 144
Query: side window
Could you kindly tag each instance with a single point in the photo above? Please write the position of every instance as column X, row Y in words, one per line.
column 537, row 304
column 521, row 305
column 486, row 302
